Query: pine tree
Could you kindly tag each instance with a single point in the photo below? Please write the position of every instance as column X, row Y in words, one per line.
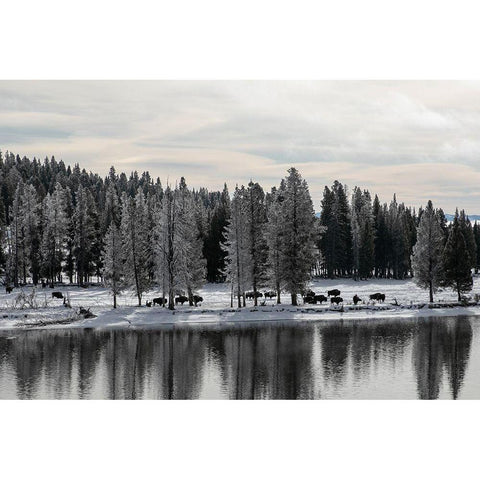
column 367, row 238
column 135, row 243
column 274, row 236
column 298, row 222
column 17, row 257
column 336, row 243
column 456, row 261
column 236, row 246
column 476, row 235
column 427, row 253
column 381, row 237
column 30, row 213
column 113, row 261
column 193, row 264
column 213, row 252
column 467, row 231
column 84, row 235
column 255, row 219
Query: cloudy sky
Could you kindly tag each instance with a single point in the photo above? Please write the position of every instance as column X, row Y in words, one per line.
column 420, row 139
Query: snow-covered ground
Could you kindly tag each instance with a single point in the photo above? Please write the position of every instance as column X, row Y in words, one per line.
column 215, row 308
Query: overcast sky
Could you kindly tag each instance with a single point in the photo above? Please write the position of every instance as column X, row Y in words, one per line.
column 419, row 139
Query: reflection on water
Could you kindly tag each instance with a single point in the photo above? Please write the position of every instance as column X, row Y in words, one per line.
column 426, row 359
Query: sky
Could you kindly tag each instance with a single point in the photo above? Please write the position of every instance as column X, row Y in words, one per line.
column 418, row 139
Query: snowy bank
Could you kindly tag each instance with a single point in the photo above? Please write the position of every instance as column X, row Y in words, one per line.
column 412, row 302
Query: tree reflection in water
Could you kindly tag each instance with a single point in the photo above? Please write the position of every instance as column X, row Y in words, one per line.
column 261, row 361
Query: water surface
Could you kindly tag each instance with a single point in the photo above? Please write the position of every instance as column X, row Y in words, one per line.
column 379, row 359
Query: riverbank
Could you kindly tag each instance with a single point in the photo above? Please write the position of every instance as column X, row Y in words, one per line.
column 403, row 300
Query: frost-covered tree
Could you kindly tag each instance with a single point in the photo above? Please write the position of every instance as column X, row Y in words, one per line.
column 255, row 220
column 236, row 247
column 193, row 265
column 16, row 250
column 456, row 261
column 427, row 260
column 467, row 231
column 298, row 239
column 274, row 236
column 171, row 246
column 85, row 239
column 113, row 261
column 31, row 214
column 135, row 243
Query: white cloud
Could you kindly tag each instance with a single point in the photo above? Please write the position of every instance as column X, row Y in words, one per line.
column 418, row 139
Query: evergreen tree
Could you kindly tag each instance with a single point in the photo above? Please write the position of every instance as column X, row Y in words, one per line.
column 255, row 219
column 298, row 222
column 17, row 256
column 476, row 235
column 113, row 261
column 30, row 213
column 274, row 236
column 336, row 243
column 84, row 235
column 427, row 252
column 467, row 231
column 193, row 263
column 212, row 249
column 456, row 261
column 236, row 246
column 135, row 243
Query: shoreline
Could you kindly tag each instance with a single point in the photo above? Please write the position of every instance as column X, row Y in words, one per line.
column 151, row 318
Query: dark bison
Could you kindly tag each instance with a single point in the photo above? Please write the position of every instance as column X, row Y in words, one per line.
column 356, row 299
column 57, row 295
column 380, row 297
column 148, row 304
column 334, row 293
column 270, row 294
column 197, row 299
column 9, row 289
column 181, row 299
column 250, row 295
column 159, row 301
column 320, row 298
column 336, row 300
column 309, row 299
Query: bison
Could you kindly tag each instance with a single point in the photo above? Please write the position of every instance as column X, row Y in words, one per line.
column 8, row 289
column 270, row 294
column 197, row 299
column 320, row 298
column 380, row 297
column 309, row 299
column 356, row 299
column 251, row 295
column 57, row 295
column 181, row 299
column 148, row 304
column 336, row 300
column 333, row 293
column 159, row 301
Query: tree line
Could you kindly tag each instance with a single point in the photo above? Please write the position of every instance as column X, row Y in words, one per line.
column 131, row 232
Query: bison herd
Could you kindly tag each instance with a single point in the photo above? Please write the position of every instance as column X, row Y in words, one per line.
column 181, row 299
column 312, row 298
column 309, row 297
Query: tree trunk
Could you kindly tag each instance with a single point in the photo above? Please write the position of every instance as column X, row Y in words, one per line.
column 114, row 300
column 431, row 291
column 294, row 299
